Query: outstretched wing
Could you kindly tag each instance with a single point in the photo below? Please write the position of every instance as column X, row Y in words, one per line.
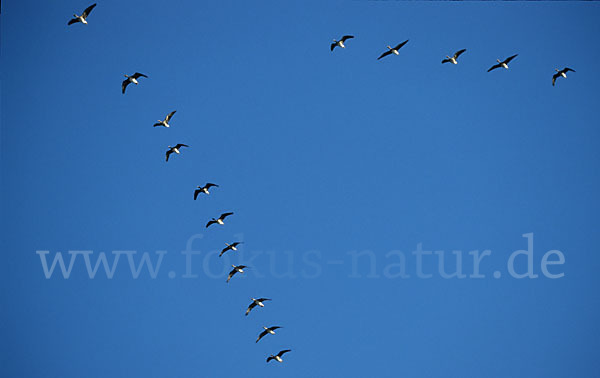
column 196, row 192
column 400, row 45
column 457, row 54
column 333, row 46
column 210, row 222
column 263, row 333
column 344, row 38
column 283, row 352
column 179, row 145
column 252, row 305
column 170, row 115
column 169, row 152
column 567, row 69
column 494, row 67
column 385, row 54
column 445, row 61
column 87, row 10
column 554, row 77
column 137, row 74
column 73, row 21
column 124, row 85
column 209, row 184
column 510, row 58
column 225, row 215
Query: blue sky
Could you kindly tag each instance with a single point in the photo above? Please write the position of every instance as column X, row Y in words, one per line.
column 320, row 154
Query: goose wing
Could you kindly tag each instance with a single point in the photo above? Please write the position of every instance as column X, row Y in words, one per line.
column 567, row 69
column 210, row 184
column 510, row 58
column 400, row 45
column 270, row 358
column 385, row 54
column 196, row 192
column 445, row 61
column 283, row 352
column 554, row 77
column 179, row 145
column 344, row 38
column 252, row 305
column 225, row 215
column 263, row 299
column 234, row 271
column 169, row 152
column 170, row 115
column 236, row 244
column 157, row 123
column 224, row 250
column 210, row 222
column 73, row 21
column 457, row 54
column 241, row 266
column 124, row 85
column 333, row 45
column 87, row 10
column 494, row 67
column 137, row 75
column 262, row 334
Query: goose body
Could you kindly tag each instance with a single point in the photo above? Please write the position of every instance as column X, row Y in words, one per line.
column 204, row 189
column 268, row 330
column 560, row 73
column 232, row 247
column 453, row 59
column 164, row 122
column 236, row 269
column 340, row 43
column 175, row 150
column 256, row 302
column 503, row 64
column 131, row 79
column 393, row 50
column 277, row 357
column 218, row 220
column 83, row 17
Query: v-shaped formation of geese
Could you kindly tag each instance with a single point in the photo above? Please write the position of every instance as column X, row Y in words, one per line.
column 83, row 17
column 454, row 58
column 256, row 302
column 165, row 122
column 560, row 73
column 340, row 43
column 393, row 50
column 131, row 79
column 503, row 64
column 174, row 149
column 204, row 189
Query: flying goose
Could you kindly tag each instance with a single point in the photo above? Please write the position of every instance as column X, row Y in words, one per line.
column 562, row 73
column 392, row 50
column 232, row 246
column 131, row 79
column 204, row 189
column 165, row 122
column 256, row 302
column 453, row 59
column 267, row 330
column 340, row 43
column 175, row 149
column 503, row 64
column 236, row 269
column 218, row 220
column 277, row 357
column 83, row 16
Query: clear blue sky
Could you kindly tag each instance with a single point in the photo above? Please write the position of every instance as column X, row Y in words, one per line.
column 313, row 151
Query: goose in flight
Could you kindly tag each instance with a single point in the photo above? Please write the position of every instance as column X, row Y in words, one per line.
column 454, row 58
column 83, row 16
column 503, row 64
column 392, row 50
column 256, row 302
column 340, row 43
column 131, row 79
column 277, row 357
column 175, row 149
column 165, row 122
column 232, row 246
column 560, row 73
column 236, row 269
column 204, row 189
column 219, row 220
column 267, row 330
